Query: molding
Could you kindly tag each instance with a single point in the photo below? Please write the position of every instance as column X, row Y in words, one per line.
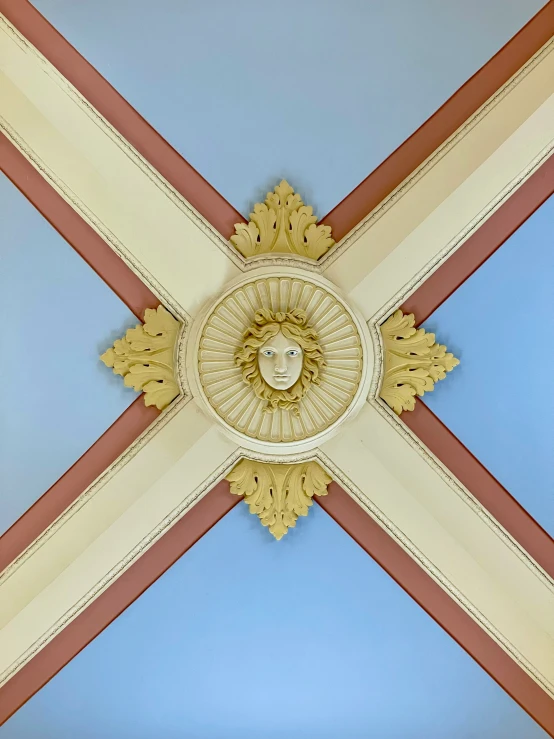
column 91, row 490
column 489, row 236
column 437, row 602
column 450, row 122
column 112, row 601
column 79, row 235
column 278, row 493
column 145, row 357
column 37, row 94
column 474, row 478
column 282, row 224
column 65, row 491
column 100, row 95
column 413, row 362
column 540, row 584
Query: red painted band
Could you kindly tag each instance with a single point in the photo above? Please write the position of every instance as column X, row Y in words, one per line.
column 483, row 243
column 482, row 485
column 125, row 119
column 86, row 242
column 442, row 124
column 374, row 540
column 104, row 609
column 75, row 481
column 439, row 605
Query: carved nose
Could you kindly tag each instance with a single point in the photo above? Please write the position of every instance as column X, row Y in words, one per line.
column 280, row 370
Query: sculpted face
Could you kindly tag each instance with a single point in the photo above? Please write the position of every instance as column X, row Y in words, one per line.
column 280, row 361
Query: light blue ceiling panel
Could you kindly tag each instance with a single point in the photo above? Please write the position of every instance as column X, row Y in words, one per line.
column 498, row 401
column 57, row 397
column 317, row 92
column 246, row 637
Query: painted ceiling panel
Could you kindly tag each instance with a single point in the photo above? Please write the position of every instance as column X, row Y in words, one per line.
column 248, row 637
column 58, row 398
column 318, row 93
column 498, row 402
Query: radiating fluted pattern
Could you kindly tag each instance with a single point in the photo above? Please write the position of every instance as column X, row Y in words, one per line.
column 235, row 401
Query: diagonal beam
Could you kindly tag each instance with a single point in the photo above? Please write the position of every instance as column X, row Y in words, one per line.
column 437, row 522
column 125, row 119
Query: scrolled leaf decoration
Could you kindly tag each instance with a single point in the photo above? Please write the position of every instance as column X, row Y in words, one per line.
column 145, row 357
column 278, row 493
column 414, row 362
column 283, row 224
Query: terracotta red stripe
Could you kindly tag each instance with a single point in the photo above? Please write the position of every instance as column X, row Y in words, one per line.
column 484, row 487
column 86, row 242
column 75, row 481
column 127, row 588
column 435, row 601
column 146, row 140
column 361, row 527
column 484, row 242
column 440, row 126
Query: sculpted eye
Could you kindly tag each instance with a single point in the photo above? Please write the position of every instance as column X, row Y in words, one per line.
column 293, row 353
column 268, row 353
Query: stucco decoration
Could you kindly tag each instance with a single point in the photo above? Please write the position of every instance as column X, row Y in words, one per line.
column 414, row 362
column 282, row 225
column 278, row 493
column 145, row 357
column 279, row 314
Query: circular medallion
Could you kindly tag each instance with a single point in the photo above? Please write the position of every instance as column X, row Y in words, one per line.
column 280, row 357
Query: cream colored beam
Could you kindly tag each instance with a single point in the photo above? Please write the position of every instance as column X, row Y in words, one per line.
column 134, row 209
column 174, row 436
column 430, row 215
column 135, row 507
column 438, row 523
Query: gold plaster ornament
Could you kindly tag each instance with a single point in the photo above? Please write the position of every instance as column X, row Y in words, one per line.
column 414, row 362
column 145, row 357
column 283, row 225
column 278, row 493
column 335, row 359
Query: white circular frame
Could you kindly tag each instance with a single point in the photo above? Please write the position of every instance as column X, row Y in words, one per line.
column 189, row 372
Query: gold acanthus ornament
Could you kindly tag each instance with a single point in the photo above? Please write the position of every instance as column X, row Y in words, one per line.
column 145, row 357
column 413, row 361
column 278, row 493
column 282, row 225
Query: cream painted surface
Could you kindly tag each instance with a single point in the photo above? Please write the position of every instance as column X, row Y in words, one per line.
column 161, row 500
column 431, row 515
column 127, row 202
column 187, row 262
column 490, row 135
column 447, row 227
column 96, row 510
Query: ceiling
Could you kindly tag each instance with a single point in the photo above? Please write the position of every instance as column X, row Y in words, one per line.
column 245, row 636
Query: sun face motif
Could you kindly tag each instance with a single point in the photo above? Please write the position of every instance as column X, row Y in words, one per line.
column 280, row 358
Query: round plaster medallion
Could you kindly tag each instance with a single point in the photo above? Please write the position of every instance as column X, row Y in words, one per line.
column 339, row 380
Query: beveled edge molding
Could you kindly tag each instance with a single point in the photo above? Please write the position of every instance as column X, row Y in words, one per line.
column 96, row 486
column 374, row 325
column 119, row 140
column 278, row 493
column 385, row 205
column 414, row 362
column 282, row 224
column 335, row 473
column 434, row 572
column 145, row 357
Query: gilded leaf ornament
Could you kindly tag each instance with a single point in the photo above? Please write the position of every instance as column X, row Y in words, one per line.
column 284, row 225
column 145, row 357
column 414, row 362
column 278, row 493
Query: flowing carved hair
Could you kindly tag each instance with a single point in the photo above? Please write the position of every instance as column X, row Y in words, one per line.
column 267, row 324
